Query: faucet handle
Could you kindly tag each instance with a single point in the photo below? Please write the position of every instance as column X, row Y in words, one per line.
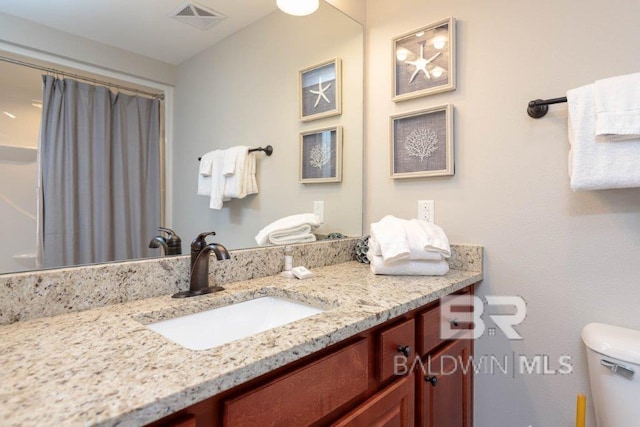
column 199, row 242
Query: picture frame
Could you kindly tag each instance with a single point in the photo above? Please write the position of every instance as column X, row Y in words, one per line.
column 424, row 61
column 321, row 155
column 422, row 143
column 320, row 90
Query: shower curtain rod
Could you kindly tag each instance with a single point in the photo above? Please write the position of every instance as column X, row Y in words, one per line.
column 159, row 96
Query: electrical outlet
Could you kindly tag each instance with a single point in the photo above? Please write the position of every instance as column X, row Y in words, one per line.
column 426, row 210
column 318, row 209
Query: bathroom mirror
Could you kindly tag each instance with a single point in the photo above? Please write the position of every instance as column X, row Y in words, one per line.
column 243, row 91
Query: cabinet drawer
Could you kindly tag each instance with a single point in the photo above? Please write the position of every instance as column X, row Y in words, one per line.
column 430, row 323
column 429, row 331
column 398, row 340
column 304, row 395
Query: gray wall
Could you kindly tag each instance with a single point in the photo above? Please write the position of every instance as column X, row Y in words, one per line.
column 243, row 91
column 572, row 256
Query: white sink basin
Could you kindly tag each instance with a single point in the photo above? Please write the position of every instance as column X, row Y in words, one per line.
column 211, row 328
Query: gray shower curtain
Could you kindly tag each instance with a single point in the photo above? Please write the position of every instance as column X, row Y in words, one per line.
column 100, row 173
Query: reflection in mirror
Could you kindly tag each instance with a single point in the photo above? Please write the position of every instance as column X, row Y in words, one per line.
column 241, row 91
column 244, row 91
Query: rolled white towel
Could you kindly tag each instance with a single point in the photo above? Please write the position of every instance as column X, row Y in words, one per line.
column 390, row 235
column 295, row 225
column 409, row 268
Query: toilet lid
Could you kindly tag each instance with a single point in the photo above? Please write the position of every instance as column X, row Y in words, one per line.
column 613, row 341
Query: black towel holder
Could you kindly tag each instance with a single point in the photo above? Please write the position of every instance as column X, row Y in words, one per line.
column 268, row 150
column 539, row 107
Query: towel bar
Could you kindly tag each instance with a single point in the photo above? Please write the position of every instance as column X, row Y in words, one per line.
column 539, row 107
column 268, row 150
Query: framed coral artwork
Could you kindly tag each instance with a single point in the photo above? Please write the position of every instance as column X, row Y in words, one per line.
column 321, row 155
column 422, row 143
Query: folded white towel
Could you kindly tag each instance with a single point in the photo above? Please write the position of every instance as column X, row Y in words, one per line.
column 409, row 268
column 408, row 239
column 301, row 234
column 414, row 253
column 289, row 229
column 617, row 103
column 216, row 197
column 251, row 185
column 390, row 235
column 235, row 185
column 432, row 239
column 594, row 165
column 204, row 174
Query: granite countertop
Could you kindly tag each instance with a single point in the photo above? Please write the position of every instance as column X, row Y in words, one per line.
column 104, row 367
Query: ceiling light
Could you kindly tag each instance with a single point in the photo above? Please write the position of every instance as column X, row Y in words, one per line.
column 298, row 7
column 8, row 114
column 36, row 103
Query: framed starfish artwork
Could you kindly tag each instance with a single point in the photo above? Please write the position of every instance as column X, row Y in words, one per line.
column 321, row 155
column 320, row 90
column 422, row 143
column 425, row 61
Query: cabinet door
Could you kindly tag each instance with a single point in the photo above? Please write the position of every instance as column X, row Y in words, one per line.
column 392, row 407
column 446, row 386
column 305, row 395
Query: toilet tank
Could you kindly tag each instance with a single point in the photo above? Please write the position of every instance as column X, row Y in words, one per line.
column 613, row 357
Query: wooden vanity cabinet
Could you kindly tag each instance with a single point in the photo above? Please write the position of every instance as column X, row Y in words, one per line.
column 354, row 383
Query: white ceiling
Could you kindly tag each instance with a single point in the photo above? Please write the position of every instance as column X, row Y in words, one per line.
column 144, row 27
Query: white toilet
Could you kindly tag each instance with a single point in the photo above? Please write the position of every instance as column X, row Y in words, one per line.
column 613, row 356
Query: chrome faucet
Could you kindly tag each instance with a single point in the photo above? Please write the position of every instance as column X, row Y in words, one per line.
column 199, row 273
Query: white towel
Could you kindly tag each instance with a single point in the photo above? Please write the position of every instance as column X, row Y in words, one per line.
column 204, row 174
column 251, row 185
column 290, row 229
column 409, row 268
column 216, row 197
column 301, row 234
column 617, row 102
column 432, row 239
column 235, row 172
column 414, row 253
column 594, row 165
column 390, row 235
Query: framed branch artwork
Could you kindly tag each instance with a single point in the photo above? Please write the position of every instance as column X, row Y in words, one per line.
column 422, row 143
column 321, row 155
column 424, row 61
column 320, row 90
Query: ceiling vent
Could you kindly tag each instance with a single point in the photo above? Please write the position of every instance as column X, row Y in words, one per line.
column 197, row 15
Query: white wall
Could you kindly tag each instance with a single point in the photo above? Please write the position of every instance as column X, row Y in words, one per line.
column 243, row 91
column 357, row 9
column 572, row 256
column 35, row 37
